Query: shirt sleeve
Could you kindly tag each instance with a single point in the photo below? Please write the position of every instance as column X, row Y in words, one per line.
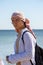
column 26, row 55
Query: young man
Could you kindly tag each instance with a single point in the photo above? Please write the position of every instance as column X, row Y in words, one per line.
column 24, row 52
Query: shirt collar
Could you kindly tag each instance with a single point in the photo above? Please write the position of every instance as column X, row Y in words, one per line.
column 24, row 30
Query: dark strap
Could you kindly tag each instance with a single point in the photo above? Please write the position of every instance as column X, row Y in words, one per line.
column 31, row 62
column 23, row 42
column 23, row 35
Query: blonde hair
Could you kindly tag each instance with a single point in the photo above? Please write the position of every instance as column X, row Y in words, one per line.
column 18, row 14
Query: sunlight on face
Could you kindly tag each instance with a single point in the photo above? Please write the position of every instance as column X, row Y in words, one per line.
column 17, row 23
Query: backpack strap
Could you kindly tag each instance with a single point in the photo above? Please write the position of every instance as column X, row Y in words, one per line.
column 31, row 62
column 23, row 43
column 23, row 35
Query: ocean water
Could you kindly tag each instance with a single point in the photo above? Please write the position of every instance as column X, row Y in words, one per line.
column 7, row 40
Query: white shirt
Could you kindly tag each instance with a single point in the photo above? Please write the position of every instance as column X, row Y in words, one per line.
column 29, row 53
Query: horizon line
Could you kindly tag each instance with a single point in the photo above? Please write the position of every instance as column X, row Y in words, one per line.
column 14, row 29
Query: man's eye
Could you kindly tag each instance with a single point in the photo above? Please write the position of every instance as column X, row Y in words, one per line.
column 12, row 20
column 16, row 19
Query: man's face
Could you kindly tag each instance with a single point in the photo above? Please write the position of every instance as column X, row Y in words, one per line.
column 17, row 23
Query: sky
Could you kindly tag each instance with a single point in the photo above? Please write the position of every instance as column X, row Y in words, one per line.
column 32, row 9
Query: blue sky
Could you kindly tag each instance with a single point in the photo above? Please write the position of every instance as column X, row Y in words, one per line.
column 33, row 9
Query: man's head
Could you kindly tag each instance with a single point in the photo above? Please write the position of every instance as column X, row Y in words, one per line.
column 18, row 20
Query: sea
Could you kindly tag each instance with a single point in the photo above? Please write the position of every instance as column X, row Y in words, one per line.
column 7, row 41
